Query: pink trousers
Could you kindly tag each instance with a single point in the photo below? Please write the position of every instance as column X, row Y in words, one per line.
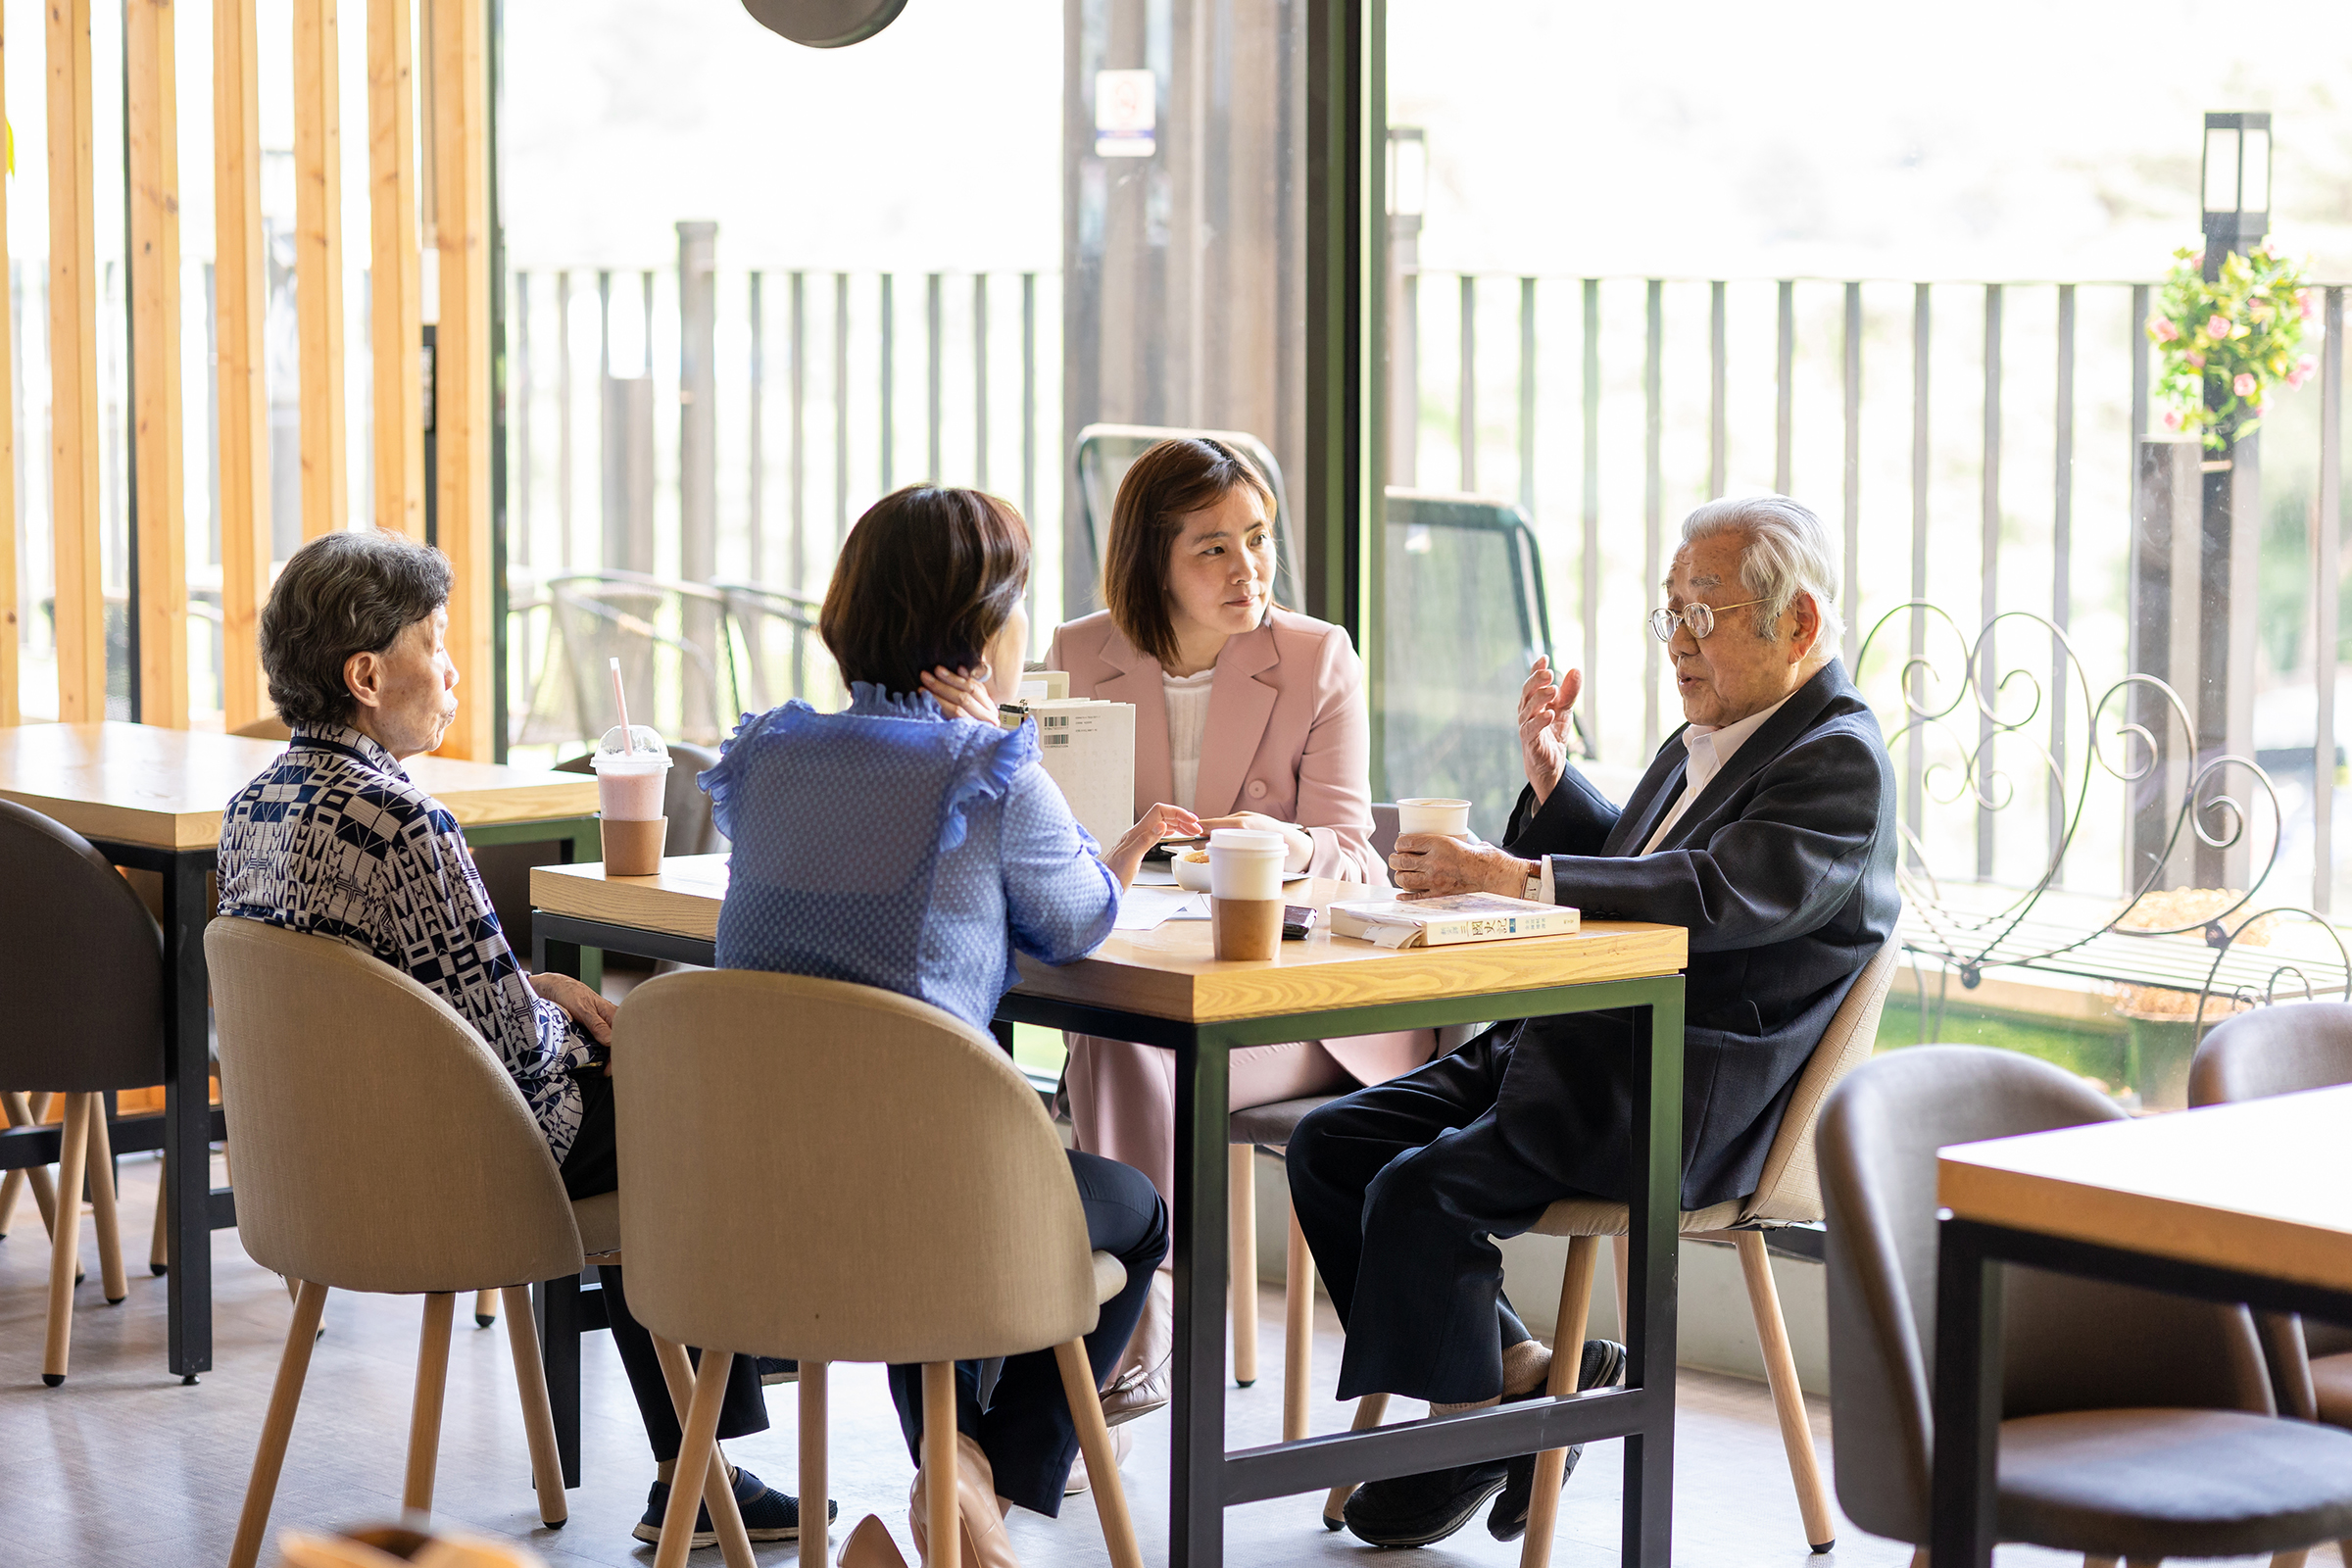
column 1123, row 1096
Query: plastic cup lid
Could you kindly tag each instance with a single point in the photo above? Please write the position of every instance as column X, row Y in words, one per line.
column 643, row 747
column 1248, row 840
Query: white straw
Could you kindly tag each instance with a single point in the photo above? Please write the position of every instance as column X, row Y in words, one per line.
column 621, row 700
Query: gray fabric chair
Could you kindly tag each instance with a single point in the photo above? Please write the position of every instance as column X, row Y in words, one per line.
column 411, row 1166
column 2283, row 1050
column 85, row 1017
column 2134, row 1424
column 775, row 1204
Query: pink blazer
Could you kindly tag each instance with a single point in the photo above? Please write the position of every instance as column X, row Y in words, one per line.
column 1288, row 732
column 1288, row 735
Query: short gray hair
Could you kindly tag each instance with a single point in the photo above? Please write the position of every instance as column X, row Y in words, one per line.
column 344, row 593
column 1789, row 553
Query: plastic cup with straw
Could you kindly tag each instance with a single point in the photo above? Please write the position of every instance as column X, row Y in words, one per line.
column 631, row 772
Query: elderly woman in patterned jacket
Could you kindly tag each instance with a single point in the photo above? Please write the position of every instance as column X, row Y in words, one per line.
column 334, row 839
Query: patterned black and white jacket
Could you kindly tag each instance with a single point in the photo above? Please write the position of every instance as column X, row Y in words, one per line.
column 333, row 838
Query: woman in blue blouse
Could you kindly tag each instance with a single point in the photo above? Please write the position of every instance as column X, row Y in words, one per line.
column 917, row 849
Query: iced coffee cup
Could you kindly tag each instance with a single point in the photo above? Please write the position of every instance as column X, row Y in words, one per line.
column 1244, row 893
column 1430, row 815
column 632, row 773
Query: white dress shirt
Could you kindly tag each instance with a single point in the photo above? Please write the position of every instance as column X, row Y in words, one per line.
column 1711, row 749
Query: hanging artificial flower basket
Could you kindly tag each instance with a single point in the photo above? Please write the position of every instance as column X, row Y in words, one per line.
column 2225, row 345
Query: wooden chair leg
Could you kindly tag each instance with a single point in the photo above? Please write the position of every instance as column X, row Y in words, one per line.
column 1241, row 1188
column 1620, row 1252
column 424, row 1411
column 65, row 1238
column 698, row 1454
column 12, row 1185
column 1368, row 1412
column 1919, row 1558
column 1299, row 1332
column 102, row 1205
column 1788, row 1398
column 1101, row 1465
column 159, row 1249
column 718, row 1492
column 2090, row 1560
column 2284, row 1559
column 485, row 1308
column 1567, row 1355
column 942, row 1526
column 816, row 1422
column 293, row 1364
column 538, row 1421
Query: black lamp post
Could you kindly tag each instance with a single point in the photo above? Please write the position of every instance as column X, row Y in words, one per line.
column 2237, row 184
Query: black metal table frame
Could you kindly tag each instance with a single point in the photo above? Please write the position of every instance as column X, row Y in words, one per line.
column 1204, row 1479
column 190, row 1122
column 1969, row 1259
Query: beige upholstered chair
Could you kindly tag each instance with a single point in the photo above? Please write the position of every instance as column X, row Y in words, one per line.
column 2282, row 1050
column 380, row 1146
column 2134, row 1424
column 836, row 1173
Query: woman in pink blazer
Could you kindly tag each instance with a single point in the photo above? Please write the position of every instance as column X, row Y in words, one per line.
column 1246, row 716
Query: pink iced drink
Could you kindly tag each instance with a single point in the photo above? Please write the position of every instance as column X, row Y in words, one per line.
column 630, row 791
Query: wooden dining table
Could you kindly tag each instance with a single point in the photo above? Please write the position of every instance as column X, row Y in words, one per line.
column 1161, row 987
column 151, row 799
column 2241, row 1202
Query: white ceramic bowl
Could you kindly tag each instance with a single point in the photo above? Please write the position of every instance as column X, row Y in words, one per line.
column 1192, row 875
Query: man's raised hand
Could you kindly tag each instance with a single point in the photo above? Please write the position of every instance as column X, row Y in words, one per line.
column 1545, row 702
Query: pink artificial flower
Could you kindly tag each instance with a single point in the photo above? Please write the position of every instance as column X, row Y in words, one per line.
column 2196, row 361
column 2162, row 329
column 2295, row 380
column 2244, row 386
column 2197, row 261
column 2304, row 304
column 2306, row 365
column 2217, row 327
column 2261, row 407
column 2172, row 418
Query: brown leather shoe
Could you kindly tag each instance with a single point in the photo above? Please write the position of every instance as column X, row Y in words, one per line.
column 1080, row 1481
column 1139, row 1383
column 869, row 1546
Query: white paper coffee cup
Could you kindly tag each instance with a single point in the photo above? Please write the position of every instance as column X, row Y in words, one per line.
column 1433, row 814
column 1245, row 864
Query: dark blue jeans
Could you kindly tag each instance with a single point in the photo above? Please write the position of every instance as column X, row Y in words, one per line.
column 1026, row 1430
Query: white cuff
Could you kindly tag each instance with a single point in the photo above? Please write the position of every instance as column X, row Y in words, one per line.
column 1549, row 897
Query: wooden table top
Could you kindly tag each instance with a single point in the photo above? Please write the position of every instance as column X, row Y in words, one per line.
column 2264, row 1185
column 140, row 784
column 1167, row 971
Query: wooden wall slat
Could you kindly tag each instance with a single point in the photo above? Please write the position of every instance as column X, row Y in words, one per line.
column 74, row 368
column 319, row 265
column 240, row 294
column 11, row 633
column 462, row 355
column 153, row 109
column 396, row 269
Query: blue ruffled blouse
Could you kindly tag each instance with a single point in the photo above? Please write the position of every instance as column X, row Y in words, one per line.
column 894, row 846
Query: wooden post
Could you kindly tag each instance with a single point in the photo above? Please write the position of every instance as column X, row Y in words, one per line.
column 461, row 357
column 240, row 298
column 73, row 369
column 396, row 269
column 152, row 110
column 318, row 267
column 10, row 631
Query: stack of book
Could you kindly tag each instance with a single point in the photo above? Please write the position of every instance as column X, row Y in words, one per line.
column 1456, row 917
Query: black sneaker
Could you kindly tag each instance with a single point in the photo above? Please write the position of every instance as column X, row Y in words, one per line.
column 1601, row 1366
column 1416, row 1510
column 776, row 1369
column 768, row 1514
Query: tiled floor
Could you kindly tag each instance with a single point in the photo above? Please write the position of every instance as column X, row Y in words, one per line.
column 124, row 1466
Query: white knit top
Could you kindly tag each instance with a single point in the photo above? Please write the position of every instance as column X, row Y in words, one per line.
column 1186, row 698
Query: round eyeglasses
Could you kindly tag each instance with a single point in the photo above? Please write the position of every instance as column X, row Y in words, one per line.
column 1701, row 618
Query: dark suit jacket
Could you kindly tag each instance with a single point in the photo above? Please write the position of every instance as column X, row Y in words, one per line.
column 1782, row 870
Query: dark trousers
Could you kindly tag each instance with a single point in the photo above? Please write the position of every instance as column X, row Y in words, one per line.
column 1026, row 1430
column 592, row 1168
column 1400, row 1190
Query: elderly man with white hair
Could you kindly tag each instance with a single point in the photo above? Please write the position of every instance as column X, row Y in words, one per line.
column 1765, row 826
